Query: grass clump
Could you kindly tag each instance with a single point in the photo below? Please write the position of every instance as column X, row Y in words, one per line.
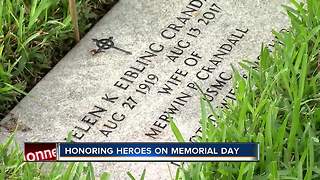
column 34, row 35
column 277, row 105
column 12, row 166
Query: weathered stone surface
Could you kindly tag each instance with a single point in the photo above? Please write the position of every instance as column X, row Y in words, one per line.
column 72, row 97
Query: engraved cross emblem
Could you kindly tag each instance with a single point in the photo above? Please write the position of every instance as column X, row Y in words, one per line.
column 105, row 44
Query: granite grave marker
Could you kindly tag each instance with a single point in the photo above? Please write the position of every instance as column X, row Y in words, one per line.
column 139, row 65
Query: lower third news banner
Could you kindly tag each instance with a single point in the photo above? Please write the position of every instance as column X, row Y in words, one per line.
column 141, row 152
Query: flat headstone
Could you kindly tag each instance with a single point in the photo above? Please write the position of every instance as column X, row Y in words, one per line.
column 126, row 96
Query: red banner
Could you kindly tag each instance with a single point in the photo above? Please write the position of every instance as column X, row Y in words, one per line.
column 40, row 151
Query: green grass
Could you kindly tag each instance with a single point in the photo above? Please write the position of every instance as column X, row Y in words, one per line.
column 12, row 166
column 277, row 105
column 34, row 35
